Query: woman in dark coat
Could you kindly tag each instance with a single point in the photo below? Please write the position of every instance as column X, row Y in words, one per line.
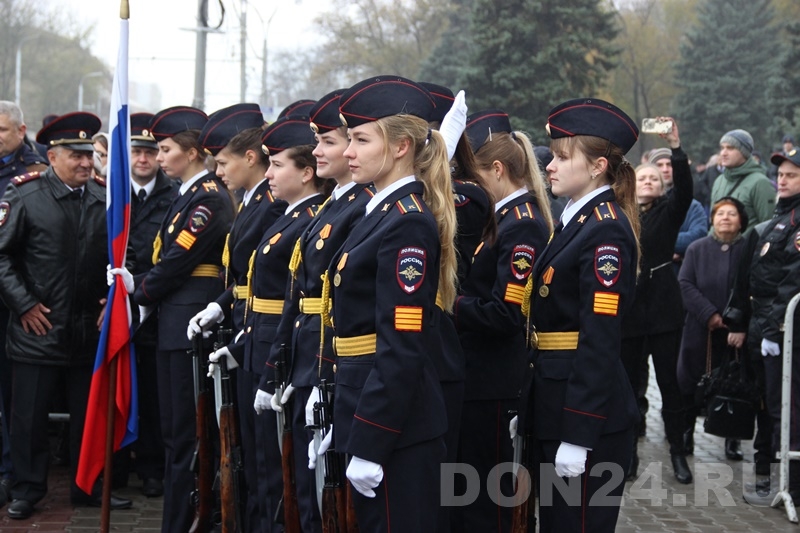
column 655, row 322
column 706, row 279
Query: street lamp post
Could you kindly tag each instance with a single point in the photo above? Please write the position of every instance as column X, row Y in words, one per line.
column 18, row 69
column 80, row 86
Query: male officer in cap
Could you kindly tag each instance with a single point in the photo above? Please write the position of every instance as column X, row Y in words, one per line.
column 774, row 280
column 16, row 158
column 743, row 178
column 151, row 197
column 53, row 253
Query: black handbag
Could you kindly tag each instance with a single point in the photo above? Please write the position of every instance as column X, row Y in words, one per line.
column 731, row 399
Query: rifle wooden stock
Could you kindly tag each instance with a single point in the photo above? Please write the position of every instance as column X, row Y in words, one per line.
column 334, row 490
column 202, row 497
column 230, row 466
column 291, row 514
column 352, row 520
column 523, row 516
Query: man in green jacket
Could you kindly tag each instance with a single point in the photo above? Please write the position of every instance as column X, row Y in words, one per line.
column 743, row 178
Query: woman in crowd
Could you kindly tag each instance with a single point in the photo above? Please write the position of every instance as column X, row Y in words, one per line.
column 487, row 313
column 706, row 279
column 654, row 325
column 582, row 287
column 389, row 415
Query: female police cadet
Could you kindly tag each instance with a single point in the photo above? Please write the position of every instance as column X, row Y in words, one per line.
column 389, row 415
column 487, row 313
column 233, row 136
column 583, row 408
column 292, row 178
column 186, row 276
column 300, row 326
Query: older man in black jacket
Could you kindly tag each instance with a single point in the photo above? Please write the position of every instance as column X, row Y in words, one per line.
column 53, row 256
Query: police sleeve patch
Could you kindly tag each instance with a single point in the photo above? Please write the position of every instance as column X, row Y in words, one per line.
column 607, row 264
column 796, row 237
column 5, row 208
column 199, row 219
column 410, row 268
column 522, row 261
column 460, row 200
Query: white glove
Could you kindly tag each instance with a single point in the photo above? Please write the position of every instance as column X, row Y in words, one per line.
column 770, row 348
column 216, row 356
column 212, row 314
column 512, row 427
column 262, row 402
column 570, row 460
column 364, row 475
column 278, row 403
column 313, row 399
column 453, row 124
column 323, row 447
column 127, row 278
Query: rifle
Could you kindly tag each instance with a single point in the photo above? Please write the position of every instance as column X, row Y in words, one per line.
column 523, row 516
column 288, row 503
column 201, row 498
column 331, row 484
column 230, row 466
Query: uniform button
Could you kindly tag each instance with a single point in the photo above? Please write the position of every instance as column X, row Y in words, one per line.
column 334, row 368
column 531, row 365
column 249, row 329
column 297, row 324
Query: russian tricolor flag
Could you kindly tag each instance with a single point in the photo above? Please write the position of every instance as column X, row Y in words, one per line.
column 115, row 336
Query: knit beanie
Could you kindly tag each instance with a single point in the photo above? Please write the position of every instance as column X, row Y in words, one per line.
column 741, row 140
column 659, row 153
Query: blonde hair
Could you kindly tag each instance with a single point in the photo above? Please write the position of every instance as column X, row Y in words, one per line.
column 619, row 173
column 433, row 169
column 652, row 166
column 515, row 151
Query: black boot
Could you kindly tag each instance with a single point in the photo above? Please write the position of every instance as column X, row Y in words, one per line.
column 733, row 449
column 681, row 468
column 688, row 441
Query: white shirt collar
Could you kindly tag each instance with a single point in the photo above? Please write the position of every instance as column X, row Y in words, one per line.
column 148, row 187
column 249, row 194
column 516, row 194
column 381, row 196
column 340, row 190
column 185, row 186
column 572, row 208
column 298, row 202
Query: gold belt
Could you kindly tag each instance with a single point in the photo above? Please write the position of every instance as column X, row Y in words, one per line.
column 558, row 340
column 206, row 271
column 355, row 346
column 240, row 291
column 311, row 306
column 267, row 307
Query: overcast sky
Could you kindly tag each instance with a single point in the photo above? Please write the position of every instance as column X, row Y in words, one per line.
column 162, row 51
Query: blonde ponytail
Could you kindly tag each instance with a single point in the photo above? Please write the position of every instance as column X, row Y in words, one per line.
column 534, row 181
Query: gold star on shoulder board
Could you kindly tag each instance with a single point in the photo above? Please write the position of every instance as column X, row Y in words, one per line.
column 351, row 197
column 504, row 211
column 582, row 219
column 386, row 207
column 296, row 214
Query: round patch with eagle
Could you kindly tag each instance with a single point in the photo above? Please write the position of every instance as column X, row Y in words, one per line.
column 4, row 209
column 199, row 219
column 410, row 268
column 607, row 264
column 522, row 261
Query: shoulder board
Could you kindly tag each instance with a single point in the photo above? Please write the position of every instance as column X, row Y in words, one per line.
column 605, row 211
column 25, row 178
column 100, row 181
column 210, row 186
column 524, row 211
column 409, row 204
column 269, row 196
column 370, row 190
column 462, row 182
column 313, row 210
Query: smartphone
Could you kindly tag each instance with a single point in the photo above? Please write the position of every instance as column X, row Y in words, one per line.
column 652, row 125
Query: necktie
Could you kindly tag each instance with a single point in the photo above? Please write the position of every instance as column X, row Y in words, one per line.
column 142, row 194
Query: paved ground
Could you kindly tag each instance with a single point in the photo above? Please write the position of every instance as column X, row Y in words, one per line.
column 683, row 508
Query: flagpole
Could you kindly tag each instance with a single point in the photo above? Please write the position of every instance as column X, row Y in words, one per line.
column 105, row 511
